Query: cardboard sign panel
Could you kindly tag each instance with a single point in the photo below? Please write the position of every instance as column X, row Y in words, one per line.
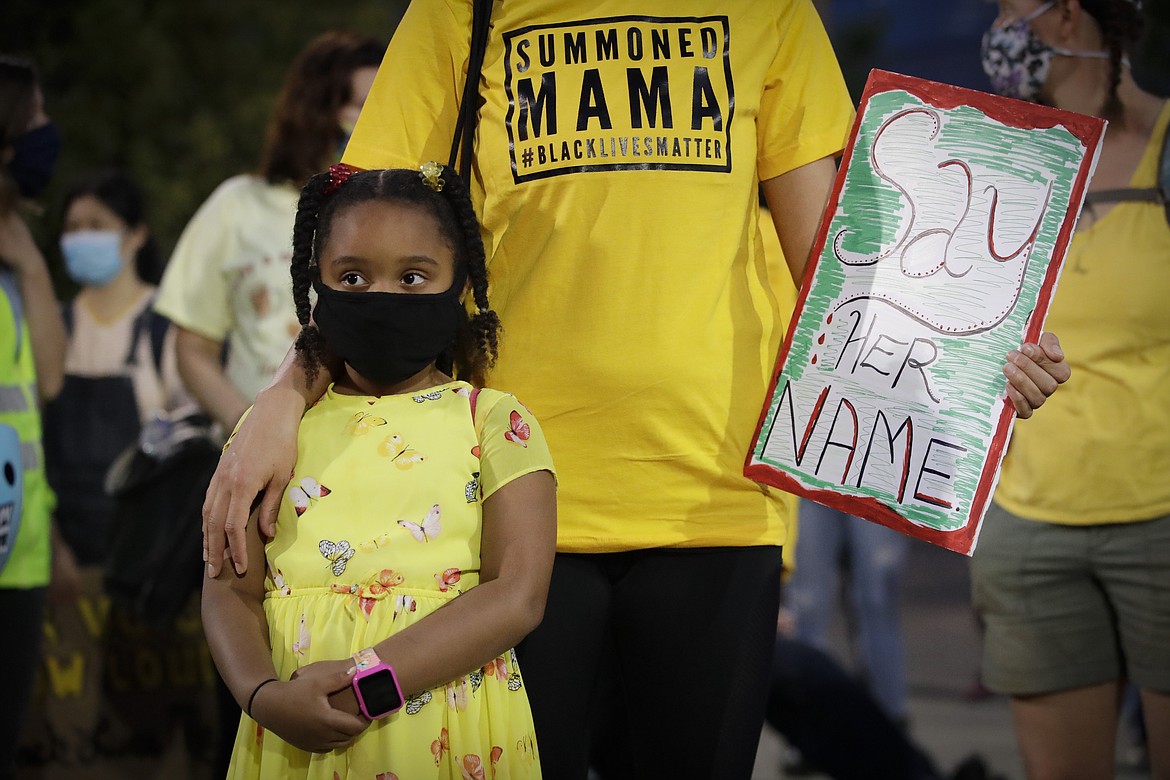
column 938, row 253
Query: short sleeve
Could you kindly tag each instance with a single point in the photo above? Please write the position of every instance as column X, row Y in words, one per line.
column 510, row 440
column 805, row 111
column 410, row 114
column 194, row 292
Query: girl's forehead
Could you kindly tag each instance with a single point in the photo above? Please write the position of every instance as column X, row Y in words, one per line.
column 380, row 227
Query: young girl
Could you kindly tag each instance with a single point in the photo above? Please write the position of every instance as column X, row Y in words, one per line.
column 371, row 636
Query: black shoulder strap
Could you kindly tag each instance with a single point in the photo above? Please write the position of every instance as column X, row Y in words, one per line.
column 464, row 137
column 155, row 326
column 1164, row 172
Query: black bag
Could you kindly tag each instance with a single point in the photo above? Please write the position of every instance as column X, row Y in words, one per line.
column 155, row 562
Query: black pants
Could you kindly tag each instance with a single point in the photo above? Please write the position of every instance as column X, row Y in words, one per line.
column 672, row 647
column 23, row 611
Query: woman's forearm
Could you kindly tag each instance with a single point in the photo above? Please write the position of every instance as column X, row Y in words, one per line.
column 199, row 367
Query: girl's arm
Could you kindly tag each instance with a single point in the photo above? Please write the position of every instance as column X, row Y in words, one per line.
column 260, row 461
column 297, row 711
column 516, row 557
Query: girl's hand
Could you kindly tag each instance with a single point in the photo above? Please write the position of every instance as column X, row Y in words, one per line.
column 257, row 464
column 299, row 712
column 1034, row 373
column 343, row 699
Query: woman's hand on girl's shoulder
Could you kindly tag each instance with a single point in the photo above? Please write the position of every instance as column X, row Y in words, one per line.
column 299, row 711
column 256, row 465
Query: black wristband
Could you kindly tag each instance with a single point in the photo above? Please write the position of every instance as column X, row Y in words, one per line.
column 256, row 690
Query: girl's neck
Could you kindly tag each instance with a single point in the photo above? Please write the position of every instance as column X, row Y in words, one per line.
column 110, row 302
column 356, row 384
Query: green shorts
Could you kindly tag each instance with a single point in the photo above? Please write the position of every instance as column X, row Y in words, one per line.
column 1065, row 606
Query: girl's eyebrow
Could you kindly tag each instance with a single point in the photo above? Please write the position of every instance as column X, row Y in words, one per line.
column 410, row 259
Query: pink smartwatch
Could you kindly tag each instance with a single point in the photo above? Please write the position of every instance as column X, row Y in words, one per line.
column 376, row 685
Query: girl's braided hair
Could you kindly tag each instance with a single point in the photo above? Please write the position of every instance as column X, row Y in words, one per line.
column 1121, row 24
column 323, row 198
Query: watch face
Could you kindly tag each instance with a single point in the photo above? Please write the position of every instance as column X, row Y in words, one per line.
column 380, row 693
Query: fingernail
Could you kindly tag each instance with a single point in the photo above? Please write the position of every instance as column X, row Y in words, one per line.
column 1013, row 354
column 351, row 670
column 210, row 571
column 205, row 556
column 1009, row 368
column 1029, row 350
column 239, row 568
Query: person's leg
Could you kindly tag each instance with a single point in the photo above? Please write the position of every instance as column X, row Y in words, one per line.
column 811, row 592
column 823, row 712
column 1131, row 564
column 1051, row 643
column 877, row 557
column 1068, row 735
column 1156, row 708
column 20, row 653
column 561, row 660
column 694, row 631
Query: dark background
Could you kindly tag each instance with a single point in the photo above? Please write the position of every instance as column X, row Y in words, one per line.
column 178, row 93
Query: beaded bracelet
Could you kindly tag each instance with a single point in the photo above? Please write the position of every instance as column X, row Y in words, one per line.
column 255, row 691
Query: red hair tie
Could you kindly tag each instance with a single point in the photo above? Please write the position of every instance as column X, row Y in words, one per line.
column 339, row 174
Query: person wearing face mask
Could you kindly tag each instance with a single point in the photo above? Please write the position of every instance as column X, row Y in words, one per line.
column 227, row 280
column 1071, row 573
column 32, row 340
column 120, row 372
column 226, row 285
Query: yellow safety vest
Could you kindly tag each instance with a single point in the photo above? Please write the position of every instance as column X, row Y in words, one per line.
column 26, row 501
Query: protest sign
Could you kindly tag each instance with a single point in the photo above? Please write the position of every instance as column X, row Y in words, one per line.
column 939, row 252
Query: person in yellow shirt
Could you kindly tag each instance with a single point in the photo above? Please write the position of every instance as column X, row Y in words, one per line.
column 1071, row 574
column 618, row 150
column 227, row 280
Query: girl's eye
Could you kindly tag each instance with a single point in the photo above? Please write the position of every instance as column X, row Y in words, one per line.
column 412, row 278
column 352, row 278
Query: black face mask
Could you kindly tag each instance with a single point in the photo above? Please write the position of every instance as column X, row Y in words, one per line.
column 34, row 156
column 388, row 337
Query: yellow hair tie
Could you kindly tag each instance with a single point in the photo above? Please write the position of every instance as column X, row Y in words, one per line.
column 432, row 175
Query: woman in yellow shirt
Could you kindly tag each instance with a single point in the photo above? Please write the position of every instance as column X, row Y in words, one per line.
column 1071, row 573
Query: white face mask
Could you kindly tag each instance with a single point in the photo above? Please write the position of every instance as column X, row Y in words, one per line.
column 1017, row 62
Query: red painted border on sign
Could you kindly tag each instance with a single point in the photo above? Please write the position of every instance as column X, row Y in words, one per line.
column 1014, row 113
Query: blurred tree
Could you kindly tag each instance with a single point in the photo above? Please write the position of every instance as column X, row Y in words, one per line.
column 177, row 93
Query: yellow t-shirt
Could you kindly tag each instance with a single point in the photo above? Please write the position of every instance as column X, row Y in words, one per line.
column 616, row 159
column 1099, row 451
column 228, row 278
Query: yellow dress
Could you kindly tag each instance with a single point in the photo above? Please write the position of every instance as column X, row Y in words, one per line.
column 380, row 527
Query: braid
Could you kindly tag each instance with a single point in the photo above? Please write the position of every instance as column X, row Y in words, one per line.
column 478, row 344
column 1120, row 26
column 309, row 343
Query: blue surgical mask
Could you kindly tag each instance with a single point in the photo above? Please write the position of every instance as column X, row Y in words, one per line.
column 92, row 257
column 1017, row 62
